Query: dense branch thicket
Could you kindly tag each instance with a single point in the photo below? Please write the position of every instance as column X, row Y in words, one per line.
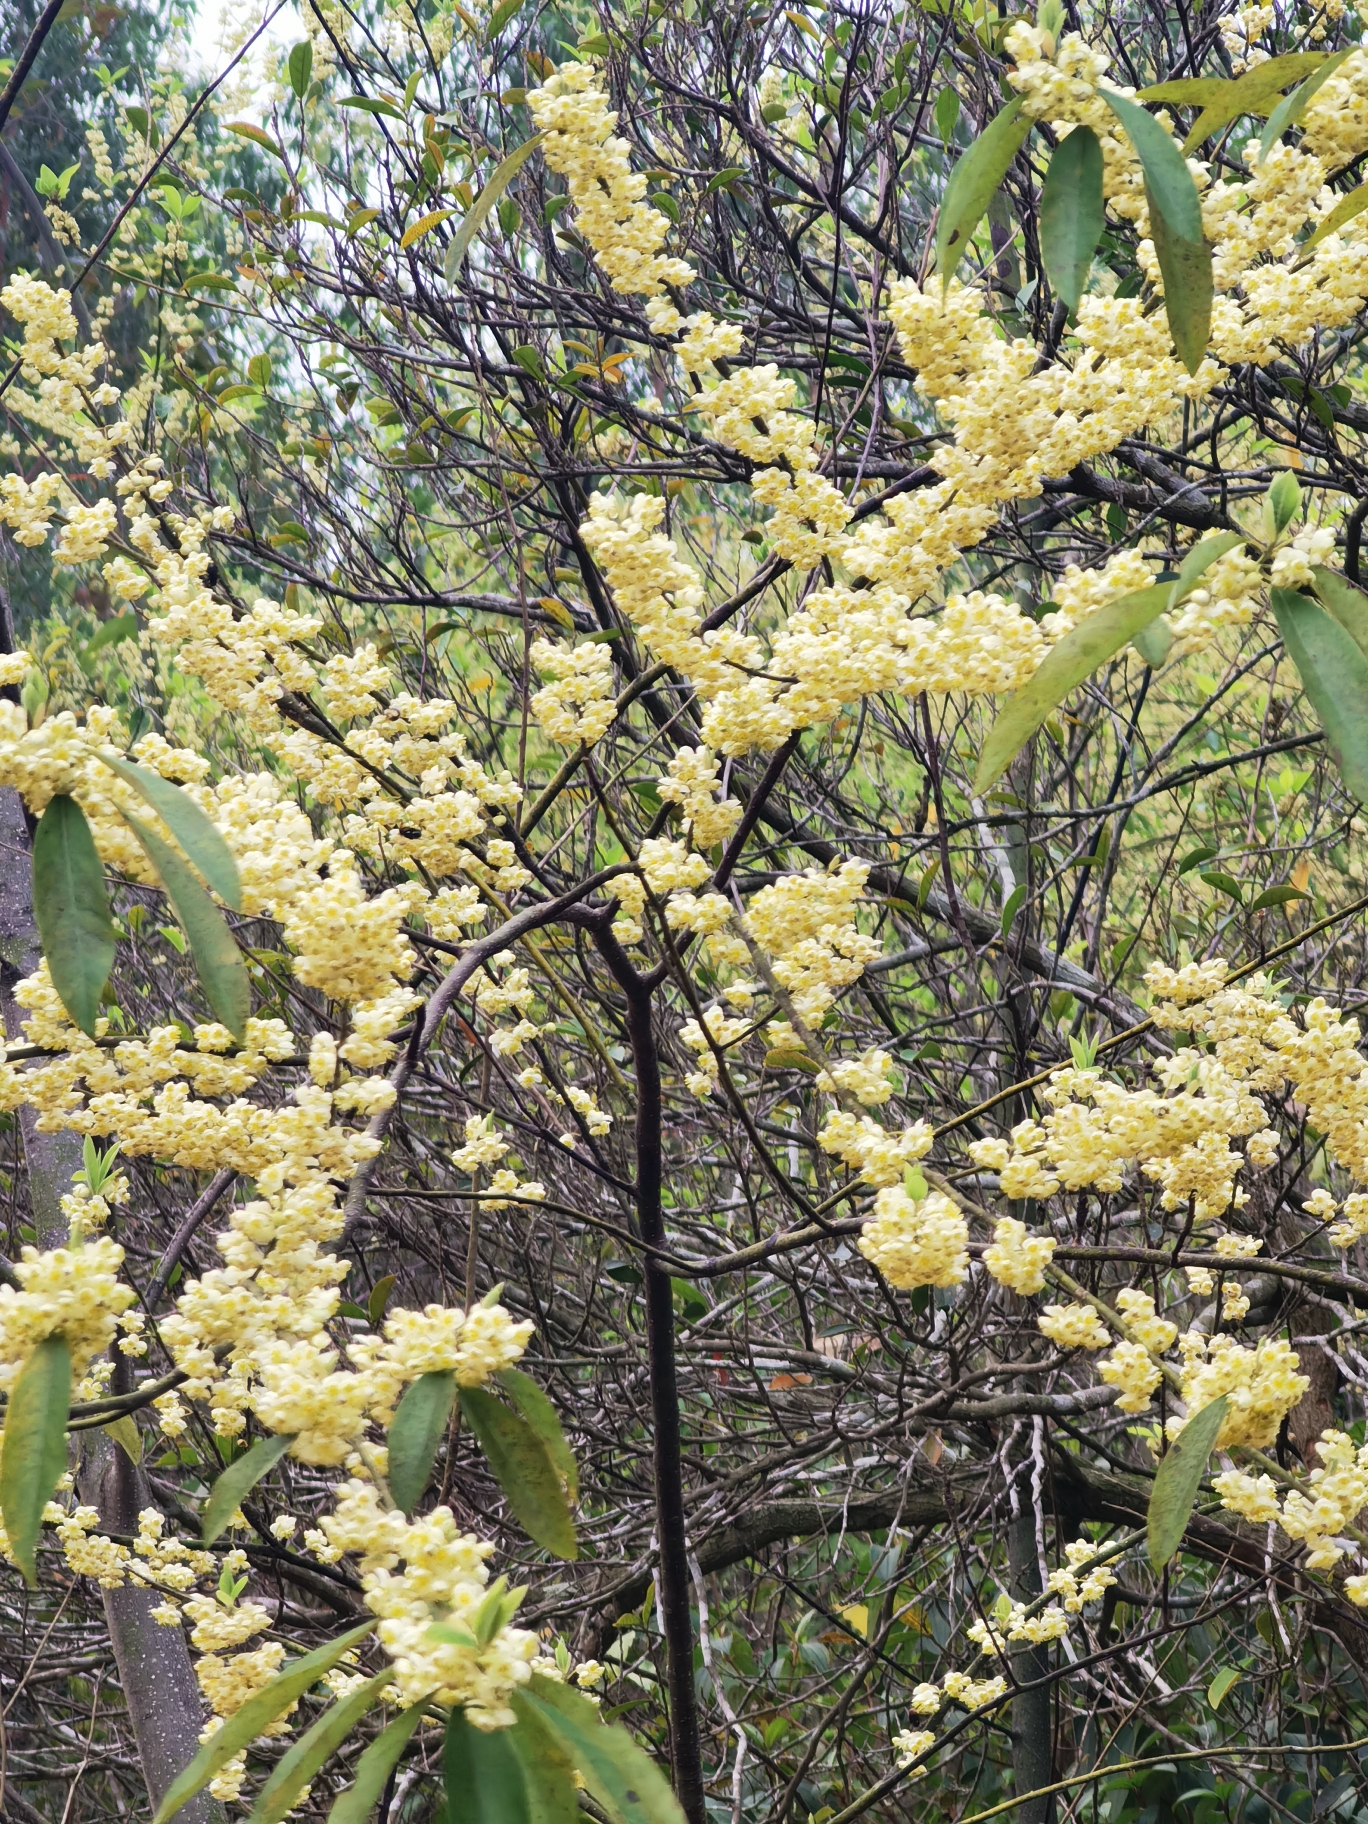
column 579, row 587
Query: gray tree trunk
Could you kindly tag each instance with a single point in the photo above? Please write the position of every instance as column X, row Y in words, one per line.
column 1032, row 1743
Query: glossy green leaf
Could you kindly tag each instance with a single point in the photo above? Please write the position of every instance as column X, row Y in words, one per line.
column 369, row 104
column 542, row 1416
column 237, row 1481
column 1291, row 108
column 547, row 1767
column 1348, row 604
column 1015, row 900
column 1176, row 226
column 300, row 67
column 72, row 910
column 501, row 15
column 947, row 114
column 1178, row 1479
column 294, row 1770
column 619, row 1774
column 355, row 1805
column 1072, row 213
column 1154, row 643
column 973, row 181
column 1224, row 883
column 1079, row 653
column 1221, row 1684
column 459, row 244
column 483, row 1775
column 420, row 1422
column 218, row 961
column 1282, row 503
column 1334, row 674
column 379, row 1298
column 1276, row 896
column 192, row 829
column 243, row 1727
column 524, row 1469
column 34, row 1454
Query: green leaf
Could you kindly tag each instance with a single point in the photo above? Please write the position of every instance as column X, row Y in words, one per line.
column 1344, row 211
column 1080, row 652
column 1334, row 673
column 300, row 67
column 355, row 1805
column 1153, row 643
column 483, row 1775
column 1195, row 859
column 1178, row 1479
column 547, row 1767
column 379, row 1298
column 109, row 633
column 1071, row 213
column 501, row 15
column 619, row 1774
column 258, row 136
column 1293, row 106
column 1176, row 225
column 369, row 105
column 947, row 114
column 34, row 1455
column 192, row 829
column 1224, row 883
column 1222, row 101
column 1014, row 903
column 1276, row 896
column 542, row 1416
column 218, row 961
column 261, row 1709
column 293, row 1772
column 1282, row 503
column 1199, row 560
column 1220, row 1685
column 1348, row 604
column 459, row 244
column 238, row 1481
column 419, row 1422
column 972, row 183
column 525, row 1471
column 72, row 909
column 125, row 1433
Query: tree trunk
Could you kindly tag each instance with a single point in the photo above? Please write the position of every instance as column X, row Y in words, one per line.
column 1032, row 1746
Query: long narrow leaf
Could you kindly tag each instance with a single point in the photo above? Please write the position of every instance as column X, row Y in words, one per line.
column 1344, row 211
column 293, row 1772
column 355, row 1805
column 1348, row 604
column 1222, row 100
column 1078, row 654
column 1291, row 108
column 191, row 828
column 238, row 1481
column 72, row 909
column 483, row 1775
column 1334, row 674
column 547, row 1767
column 419, row 1422
column 1072, row 213
column 524, row 1469
column 618, row 1773
column 218, row 961
column 973, row 181
column 1179, row 1478
column 34, row 1455
column 484, row 202
column 1176, row 225
column 542, row 1416
column 261, row 1709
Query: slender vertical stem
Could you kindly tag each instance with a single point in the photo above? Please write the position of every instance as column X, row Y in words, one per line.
column 676, row 1622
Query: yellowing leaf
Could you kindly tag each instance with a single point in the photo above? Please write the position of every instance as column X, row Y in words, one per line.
column 425, row 223
column 857, row 1614
column 246, row 130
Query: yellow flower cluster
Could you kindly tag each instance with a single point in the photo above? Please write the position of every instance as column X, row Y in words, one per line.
column 75, row 1292
column 1073, row 1327
column 916, row 1242
column 577, row 706
column 1017, row 1259
column 879, row 1156
column 1262, row 1384
column 625, row 232
column 439, row 1623
column 1075, row 1588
